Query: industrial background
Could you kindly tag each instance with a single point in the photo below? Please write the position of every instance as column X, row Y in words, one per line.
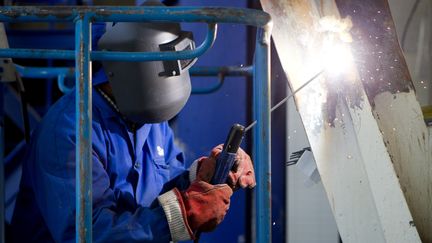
column 301, row 212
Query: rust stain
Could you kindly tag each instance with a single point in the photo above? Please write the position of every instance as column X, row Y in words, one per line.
column 269, row 187
column 219, row 12
column 11, row 14
column 252, row 17
column 258, row 18
column 42, row 12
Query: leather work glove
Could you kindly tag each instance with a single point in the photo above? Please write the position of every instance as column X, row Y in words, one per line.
column 242, row 174
column 206, row 168
column 206, row 205
column 200, row 208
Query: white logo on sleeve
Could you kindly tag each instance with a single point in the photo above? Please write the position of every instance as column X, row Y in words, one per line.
column 160, row 151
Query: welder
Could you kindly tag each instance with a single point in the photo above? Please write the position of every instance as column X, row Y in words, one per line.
column 142, row 188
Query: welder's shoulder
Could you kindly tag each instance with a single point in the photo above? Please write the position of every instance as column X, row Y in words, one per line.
column 54, row 140
column 58, row 125
column 60, row 119
column 51, row 145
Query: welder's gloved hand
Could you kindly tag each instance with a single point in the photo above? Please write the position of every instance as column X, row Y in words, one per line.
column 242, row 174
column 200, row 208
column 206, row 205
column 207, row 165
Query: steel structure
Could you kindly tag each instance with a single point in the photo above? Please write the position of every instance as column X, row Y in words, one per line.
column 83, row 17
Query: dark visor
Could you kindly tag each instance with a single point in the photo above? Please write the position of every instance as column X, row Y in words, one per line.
column 182, row 43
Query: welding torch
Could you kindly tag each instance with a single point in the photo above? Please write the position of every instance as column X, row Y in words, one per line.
column 226, row 159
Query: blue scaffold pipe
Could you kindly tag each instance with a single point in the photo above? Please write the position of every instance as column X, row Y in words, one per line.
column 48, row 72
column 43, row 72
column 83, row 171
column 62, row 85
column 262, row 131
column 61, row 73
column 134, row 14
column 210, row 89
column 53, row 72
column 155, row 56
column 2, row 166
column 221, row 73
column 224, row 70
column 37, row 53
column 117, row 56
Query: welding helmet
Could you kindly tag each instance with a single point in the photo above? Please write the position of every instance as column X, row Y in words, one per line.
column 154, row 91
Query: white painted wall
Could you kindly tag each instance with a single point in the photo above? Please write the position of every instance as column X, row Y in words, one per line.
column 310, row 218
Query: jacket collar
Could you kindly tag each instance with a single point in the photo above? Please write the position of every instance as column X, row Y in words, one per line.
column 107, row 111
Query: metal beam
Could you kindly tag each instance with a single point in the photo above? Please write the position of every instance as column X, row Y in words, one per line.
column 387, row 81
column 353, row 161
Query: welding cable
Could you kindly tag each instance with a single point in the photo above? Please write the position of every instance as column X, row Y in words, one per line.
column 23, row 107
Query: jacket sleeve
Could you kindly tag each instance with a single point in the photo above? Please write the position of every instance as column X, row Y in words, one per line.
column 54, row 185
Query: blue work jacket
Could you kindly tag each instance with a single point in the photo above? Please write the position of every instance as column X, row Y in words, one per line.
column 130, row 169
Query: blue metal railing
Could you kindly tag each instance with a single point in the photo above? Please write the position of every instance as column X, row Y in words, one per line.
column 2, row 175
column 262, row 132
column 48, row 72
column 116, row 56
column 83, row 106
column 84, row 16
column 67, row 72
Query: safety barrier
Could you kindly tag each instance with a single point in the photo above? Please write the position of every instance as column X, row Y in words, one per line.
column 83, row 17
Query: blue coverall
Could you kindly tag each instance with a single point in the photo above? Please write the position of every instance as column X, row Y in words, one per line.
column 130, row 169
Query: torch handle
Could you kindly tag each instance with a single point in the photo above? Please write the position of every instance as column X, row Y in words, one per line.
column 226, row 158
